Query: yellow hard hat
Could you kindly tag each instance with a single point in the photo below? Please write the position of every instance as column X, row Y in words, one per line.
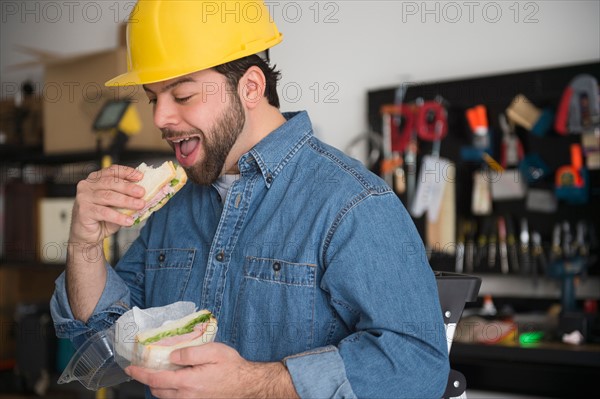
column 171, row 38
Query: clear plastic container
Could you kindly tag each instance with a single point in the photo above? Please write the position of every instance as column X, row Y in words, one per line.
column 94, row 364
column 100, row 361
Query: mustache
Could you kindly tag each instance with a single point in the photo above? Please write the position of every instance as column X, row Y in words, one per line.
column 174, row 135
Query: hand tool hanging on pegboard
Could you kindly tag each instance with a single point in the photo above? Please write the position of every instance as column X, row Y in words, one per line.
column 434, row 192
column 391, row 169
column 511, row 151
column 579, row 107
column 403, row 125
column 502, row 245
column 572, row 181
column 511, row 241
column 431, row 124
column 397, row 128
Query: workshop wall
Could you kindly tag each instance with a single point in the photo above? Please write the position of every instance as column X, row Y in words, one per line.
column 553, row 208
column 335, row 51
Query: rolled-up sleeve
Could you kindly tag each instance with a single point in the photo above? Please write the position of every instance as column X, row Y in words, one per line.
column 381, row 285
column 115, row 301
column 319, row 373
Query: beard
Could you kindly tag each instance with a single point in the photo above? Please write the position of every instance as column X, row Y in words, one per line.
column 217, row 143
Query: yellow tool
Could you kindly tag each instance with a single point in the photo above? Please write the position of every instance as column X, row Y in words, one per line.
column 492, row 163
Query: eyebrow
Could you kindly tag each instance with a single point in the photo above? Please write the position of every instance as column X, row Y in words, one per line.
column 171, row 85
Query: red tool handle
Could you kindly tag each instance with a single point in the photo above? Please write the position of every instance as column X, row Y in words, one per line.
column 428, row 116
column 571, row 174
column 562, row 113
column 576, row 156
column 402, row 118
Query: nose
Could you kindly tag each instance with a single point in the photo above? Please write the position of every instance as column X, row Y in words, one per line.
column 165, row 114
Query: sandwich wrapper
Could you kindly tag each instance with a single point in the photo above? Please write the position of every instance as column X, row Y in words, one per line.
column 100, row 361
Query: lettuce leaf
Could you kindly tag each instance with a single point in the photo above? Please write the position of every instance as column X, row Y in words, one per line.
column 188, row 328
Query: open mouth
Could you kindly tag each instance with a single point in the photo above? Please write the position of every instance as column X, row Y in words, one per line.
column 186, row 149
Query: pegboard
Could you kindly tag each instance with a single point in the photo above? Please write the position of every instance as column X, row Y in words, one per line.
column 544, row 88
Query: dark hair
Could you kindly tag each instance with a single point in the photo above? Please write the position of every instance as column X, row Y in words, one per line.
column 234, row 70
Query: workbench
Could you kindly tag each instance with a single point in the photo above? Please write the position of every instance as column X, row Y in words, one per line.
column 550, row 369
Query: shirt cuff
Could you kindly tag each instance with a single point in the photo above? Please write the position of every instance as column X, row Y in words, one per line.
column 113, row 303
column 319, row 373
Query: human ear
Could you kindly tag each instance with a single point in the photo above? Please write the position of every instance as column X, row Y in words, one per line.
column 252, row 86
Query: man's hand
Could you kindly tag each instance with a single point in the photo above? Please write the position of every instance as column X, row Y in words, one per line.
column 94, row 219
column 216, row 370
column 93, row 215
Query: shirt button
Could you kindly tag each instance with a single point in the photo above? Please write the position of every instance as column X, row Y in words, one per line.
column 220, row 256
column 161, row 258
column 277, row 266
column 269, row 179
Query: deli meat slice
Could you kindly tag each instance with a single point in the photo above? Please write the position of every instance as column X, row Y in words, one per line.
column 166, row 190
column 178, row 339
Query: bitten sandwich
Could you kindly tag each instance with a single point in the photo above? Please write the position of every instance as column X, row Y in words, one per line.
column 154, row 346
column 161, row 184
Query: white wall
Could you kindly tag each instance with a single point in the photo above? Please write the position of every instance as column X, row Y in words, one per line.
column 334, row 51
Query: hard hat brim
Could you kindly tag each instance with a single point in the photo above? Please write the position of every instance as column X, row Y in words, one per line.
column 133, row 78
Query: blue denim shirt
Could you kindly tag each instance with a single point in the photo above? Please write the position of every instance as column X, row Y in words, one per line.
column 310, row 259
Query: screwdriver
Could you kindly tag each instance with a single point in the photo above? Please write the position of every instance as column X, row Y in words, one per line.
column 502, row 245
column 512, row 244
column 482, row 242
column 524, row 238
column 492, row 241
column 460, row 247
column 470, row 246
column 538, row 256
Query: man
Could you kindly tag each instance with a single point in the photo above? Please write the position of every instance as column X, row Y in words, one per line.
column 310, row 263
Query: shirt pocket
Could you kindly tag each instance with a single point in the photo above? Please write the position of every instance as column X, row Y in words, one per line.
column 168, row 272
column 274, row 309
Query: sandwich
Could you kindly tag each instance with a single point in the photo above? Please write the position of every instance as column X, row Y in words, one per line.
column 161, row 184
column 153, row 346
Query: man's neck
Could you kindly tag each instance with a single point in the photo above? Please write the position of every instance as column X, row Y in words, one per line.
column 259, row 124
column 263, row 124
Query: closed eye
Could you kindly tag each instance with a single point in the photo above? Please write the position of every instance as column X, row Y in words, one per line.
column 182, row 100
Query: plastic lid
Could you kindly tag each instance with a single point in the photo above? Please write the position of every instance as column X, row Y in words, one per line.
column 94, row 364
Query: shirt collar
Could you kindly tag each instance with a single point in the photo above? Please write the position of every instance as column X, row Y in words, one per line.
column 274, row 151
